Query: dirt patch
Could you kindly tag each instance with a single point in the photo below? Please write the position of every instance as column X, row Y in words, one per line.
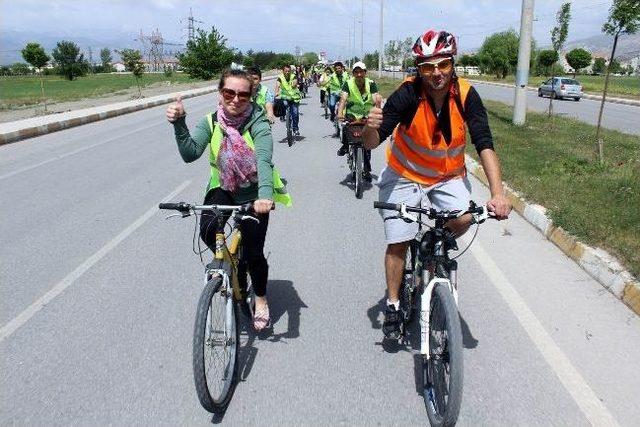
column 120, row 96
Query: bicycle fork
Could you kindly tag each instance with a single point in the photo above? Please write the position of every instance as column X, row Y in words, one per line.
column 425, row 303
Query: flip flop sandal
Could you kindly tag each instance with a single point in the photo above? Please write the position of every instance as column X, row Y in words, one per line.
column 261, row 319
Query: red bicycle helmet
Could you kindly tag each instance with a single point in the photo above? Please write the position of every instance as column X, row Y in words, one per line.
column 434, row 43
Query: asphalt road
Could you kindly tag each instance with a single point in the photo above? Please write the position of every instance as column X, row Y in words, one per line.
column 98, row 295
column 621, row 117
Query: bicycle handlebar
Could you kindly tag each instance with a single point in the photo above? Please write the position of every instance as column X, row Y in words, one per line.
column 480, row 213
column 186, row 207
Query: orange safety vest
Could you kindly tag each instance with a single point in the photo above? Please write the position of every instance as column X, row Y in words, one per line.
column 420, row 153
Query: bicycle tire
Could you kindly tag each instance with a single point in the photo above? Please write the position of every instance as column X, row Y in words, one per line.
column 203, row 338
column 442, row 398
column 358, row 187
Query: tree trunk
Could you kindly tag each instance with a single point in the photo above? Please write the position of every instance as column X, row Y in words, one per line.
column 44, row 100
column 604, row 96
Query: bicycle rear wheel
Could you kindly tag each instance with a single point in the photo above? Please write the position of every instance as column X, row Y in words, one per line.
column 215, row 346
column 442, row 373
column 358, row 169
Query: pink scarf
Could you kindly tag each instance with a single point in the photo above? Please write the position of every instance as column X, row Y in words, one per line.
column 236, row 161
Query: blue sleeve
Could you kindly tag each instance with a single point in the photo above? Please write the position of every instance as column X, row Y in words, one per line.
column 270, row 96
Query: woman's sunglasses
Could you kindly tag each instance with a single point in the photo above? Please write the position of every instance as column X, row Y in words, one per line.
column 428, row 68
column 230, row 94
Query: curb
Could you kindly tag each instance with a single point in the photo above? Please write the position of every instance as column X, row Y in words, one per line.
column 584, row 95
column 596, row 262
column 88, row 115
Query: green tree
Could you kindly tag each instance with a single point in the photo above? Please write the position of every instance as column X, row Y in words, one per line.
column 599, row 65
column 615, row 67
column 309, row 58
column 392, row 52
column 132, row 60
column 578, row 58
column 624, row 18
column 371, row 60
column 20, row 69
column 547, row 58
column 35, row 55
column 561, row 30
column 106, row 59
column 70, row 61
column 498, row 54
column 206, row 55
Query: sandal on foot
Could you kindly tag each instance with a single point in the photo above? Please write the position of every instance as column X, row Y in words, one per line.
column 261, row 319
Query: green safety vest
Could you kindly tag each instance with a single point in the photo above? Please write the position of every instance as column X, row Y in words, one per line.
column 280, row 193
column 261, row 97
column 325, row 84
column 288, row 92
column 334, row 84
column 358, row 105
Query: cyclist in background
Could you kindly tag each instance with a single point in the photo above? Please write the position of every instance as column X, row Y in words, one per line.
column 359, row 95
column 428, row 115
column 287, row 89
column 323, row 84
column 336, row 81
column 262, row 95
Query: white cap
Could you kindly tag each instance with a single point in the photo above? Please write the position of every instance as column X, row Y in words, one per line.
column 359, row 64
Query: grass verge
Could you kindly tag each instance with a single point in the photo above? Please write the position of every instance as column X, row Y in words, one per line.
column 552, row 162
column 17, row 91
column 619, row 86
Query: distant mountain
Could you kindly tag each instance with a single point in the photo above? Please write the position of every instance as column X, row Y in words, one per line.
column 628, row 45
column 12, row 42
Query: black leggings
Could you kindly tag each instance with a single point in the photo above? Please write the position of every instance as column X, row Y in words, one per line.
column 253, row 236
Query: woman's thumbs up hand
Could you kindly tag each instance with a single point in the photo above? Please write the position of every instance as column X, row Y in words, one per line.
column 176, row 110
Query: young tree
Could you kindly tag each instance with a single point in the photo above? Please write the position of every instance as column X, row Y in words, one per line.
column 561, row 30
column 624, row 18
column 35, row 55
column 578, row 59
column 70, row 61
column 392, row 52
column 371, row 60
column 132, row 60
column 599, row 65
column 309, row 58
column 206, row 55
column 498, row 54
column 20, row 69
column 558, row 37
column 106, row 59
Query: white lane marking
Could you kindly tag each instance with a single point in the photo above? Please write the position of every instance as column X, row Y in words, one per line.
column 593, row 409
column 71, row 153
column 30, row 311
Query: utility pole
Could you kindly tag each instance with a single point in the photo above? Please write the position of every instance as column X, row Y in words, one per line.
column 524, row 56
column 381, row 47
column 362, row 32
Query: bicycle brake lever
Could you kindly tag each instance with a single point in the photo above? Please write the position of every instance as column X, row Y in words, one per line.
column 182, row 215
column 481, row 217
column 253, row 218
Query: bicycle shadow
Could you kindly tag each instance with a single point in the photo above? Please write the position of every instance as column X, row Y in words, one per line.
column 350, row 183
column 295, row 139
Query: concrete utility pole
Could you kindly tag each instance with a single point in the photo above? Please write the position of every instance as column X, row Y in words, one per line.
column 381, row 47
column 362, row 32
column 524, row 56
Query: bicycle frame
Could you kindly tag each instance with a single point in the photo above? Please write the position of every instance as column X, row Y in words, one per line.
column 229, row 254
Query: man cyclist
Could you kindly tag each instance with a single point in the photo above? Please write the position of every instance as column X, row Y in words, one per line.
column 336, row 80
column 426, row 157
column 287, row 89
column 359, row 94
column 262, row 95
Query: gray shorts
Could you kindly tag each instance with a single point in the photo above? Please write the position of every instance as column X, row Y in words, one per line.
column 453, row 194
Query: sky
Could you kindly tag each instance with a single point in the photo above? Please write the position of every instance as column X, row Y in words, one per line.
column 281, row 25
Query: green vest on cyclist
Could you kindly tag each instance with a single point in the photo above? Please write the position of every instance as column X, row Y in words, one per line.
column 335, row 84
column 324, row 81
column 280, row 193
column 358, row 104
column 287, row 91
column 261, row 97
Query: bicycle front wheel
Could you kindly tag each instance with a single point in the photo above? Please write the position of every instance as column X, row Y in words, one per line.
column 215, row 346
column 442, row 372
column 358, row 171
column 289, row 131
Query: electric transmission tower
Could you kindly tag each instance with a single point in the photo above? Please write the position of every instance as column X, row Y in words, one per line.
column 191, row 28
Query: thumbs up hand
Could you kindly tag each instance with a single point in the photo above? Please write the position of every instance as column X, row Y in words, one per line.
column 176, row 110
